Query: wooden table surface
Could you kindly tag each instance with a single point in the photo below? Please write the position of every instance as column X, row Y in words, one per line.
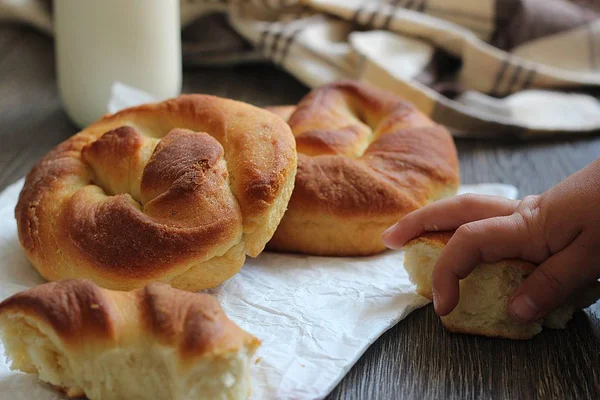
column 415, row 359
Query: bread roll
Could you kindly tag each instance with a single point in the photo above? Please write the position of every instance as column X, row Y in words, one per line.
column 176, row 192
column 151, row 343
column 365, row 159
column 484, row 294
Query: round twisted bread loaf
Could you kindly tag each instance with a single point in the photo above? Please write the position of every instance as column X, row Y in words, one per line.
column 366, row 158
column 177, row 192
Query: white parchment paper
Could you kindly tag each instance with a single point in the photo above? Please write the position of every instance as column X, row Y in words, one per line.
column 315, row 315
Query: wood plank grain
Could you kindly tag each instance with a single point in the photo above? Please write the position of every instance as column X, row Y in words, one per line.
column 31, row 117
column 417, row 358
column 259, row 84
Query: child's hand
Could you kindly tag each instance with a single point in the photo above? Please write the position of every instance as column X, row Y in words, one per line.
column 559, row 229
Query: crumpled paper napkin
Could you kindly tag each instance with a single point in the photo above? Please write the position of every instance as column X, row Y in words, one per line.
column 315, row 315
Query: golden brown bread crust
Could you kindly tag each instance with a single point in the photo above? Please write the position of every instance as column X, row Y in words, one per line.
column 73, row 308
column 195, row 321
column 82, row 314
column 366, row 158
column 155, row 191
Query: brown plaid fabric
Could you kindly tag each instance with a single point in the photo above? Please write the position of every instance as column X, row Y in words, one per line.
column 482, row 67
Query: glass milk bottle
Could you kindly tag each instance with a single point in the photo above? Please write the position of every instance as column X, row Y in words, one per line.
column 98, row 42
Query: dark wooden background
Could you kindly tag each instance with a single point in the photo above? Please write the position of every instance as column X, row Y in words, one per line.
column 415, row 359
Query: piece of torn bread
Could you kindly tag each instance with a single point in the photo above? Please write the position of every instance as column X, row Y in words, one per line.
column 484, row 294
column 151, row 343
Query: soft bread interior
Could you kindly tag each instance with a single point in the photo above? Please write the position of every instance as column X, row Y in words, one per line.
column 484, row 294
column 144, row 371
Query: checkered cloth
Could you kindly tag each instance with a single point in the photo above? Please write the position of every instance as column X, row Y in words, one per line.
column 482, row 67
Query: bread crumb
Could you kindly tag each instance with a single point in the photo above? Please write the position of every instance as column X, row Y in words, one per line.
column 258, row 359
column 95, row 306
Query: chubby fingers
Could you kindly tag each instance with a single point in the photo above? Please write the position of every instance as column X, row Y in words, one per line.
column 447, row 215
column 484, row 241
column 556, row 279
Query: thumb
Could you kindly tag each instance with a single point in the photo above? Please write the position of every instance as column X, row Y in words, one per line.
column 554, row 281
